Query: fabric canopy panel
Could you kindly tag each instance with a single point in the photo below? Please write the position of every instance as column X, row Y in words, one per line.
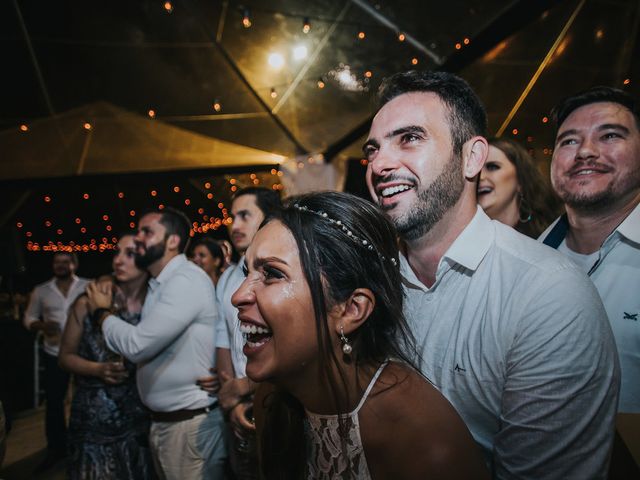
column 101, row 138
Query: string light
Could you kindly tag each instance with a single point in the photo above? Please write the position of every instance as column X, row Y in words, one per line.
column 132, row 213
column 152, row 113
column 207, row 185
column 153, row 193
column 28, row 234
column 168, row 7
column 545, row 119
column 232, row 181
column 132, row 224
column 220, row 205
column 274, row 171
column 368, row 74
column 514, row 131
column 401, row 37
column 87, row 126
column 24, row 128
column 234, row 188
column 176, row 189
column 466, row 41
column 19, row 224
column 361, row 35
column 217, row 106
column 246, row 18
column 47, row 199
column 306, row 25
column 108, row 227
column 321, row 83
column 458, row 46
column 599, row 33
column 414, row 61
column 78, row 220
column 85, row 196
column 364, row 162
column 47, row 223
column 627, row 81
column 105, row 218
column 201, row 210
column 209, row 196
column 59, row 231
column 161, row 206
column 120, row 194
column 187, row 201
column 83, row 230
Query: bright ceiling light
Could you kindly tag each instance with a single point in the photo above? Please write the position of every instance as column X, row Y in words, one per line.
column 276, row 60
column 300, row 52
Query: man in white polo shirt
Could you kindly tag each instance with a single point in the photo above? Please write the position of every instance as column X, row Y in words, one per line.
column 512, row 333
column 172, row 345
column 595, row 170
column 47, row 312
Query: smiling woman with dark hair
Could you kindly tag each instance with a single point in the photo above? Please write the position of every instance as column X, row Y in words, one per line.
column 321, row 310
column 513, row 191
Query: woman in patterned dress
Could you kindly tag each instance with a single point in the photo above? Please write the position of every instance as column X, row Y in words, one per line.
column 108, row 427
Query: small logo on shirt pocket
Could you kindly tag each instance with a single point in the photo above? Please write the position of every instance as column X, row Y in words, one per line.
column 630, row 316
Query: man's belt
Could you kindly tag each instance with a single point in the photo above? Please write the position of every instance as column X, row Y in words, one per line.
column 181, row 415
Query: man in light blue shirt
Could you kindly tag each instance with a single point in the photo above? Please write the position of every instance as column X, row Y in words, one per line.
column 595, row 170
column 172, row 346
column 512, row 333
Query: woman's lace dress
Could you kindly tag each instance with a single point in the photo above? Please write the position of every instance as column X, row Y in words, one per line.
column 108, row 428
column 326, row 459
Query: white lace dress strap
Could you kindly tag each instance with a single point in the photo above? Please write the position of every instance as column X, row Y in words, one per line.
column 326, row 459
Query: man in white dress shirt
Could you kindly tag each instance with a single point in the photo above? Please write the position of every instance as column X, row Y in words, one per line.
column 173, row 346
column 512, row 333
column 47, row 312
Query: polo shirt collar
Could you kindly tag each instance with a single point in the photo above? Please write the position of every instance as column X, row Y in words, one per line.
column 467, row 250
column 473, row 243
column 630, row 227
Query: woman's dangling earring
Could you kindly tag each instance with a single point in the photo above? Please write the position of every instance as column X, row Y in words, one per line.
column 346, row 346
column 526, row 214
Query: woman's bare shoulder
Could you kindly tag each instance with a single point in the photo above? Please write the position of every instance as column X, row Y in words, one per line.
column 407, row 421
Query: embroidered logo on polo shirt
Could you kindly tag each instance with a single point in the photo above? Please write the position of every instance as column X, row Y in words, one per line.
column 458, row 368
column 630, row 316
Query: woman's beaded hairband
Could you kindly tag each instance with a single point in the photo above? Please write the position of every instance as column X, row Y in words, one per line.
column 361, row 241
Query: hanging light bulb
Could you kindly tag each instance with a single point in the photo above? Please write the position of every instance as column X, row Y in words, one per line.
column 321, row 84
column 306, row 25
column 401, row 37
column 246, row 18
column 361, row 34
column 217, row 106
column 273, row 93
column 168, row 7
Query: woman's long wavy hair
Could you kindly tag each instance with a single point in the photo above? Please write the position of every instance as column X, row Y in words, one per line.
column 335, row 262
column 537, row 198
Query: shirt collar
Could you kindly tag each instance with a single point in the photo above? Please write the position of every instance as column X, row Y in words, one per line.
column 467, row 250
column 473, row 243
column 175, row 263
column 630, row 227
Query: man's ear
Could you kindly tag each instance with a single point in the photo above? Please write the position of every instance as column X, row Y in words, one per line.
column 354, row 311
column 474, row 154
column 173, row 242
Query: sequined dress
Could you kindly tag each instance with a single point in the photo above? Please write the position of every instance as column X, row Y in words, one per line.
column 325, row 458
column 108, row 427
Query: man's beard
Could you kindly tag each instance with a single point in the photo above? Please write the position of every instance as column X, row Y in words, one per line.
column 151, row 255
column 432, row 203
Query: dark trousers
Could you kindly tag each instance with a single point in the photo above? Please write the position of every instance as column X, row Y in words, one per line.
column 55, row 383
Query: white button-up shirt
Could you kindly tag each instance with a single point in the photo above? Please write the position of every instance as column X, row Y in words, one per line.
column 228, row 333
column 48, row 303
column 173, row 344
column 615, row 271
column 516, row 337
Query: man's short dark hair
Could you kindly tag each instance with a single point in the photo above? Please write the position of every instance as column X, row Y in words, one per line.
column 267, row 200
column 467, row 117
column 597, row 94
column 72, row 255
column 176, row 223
